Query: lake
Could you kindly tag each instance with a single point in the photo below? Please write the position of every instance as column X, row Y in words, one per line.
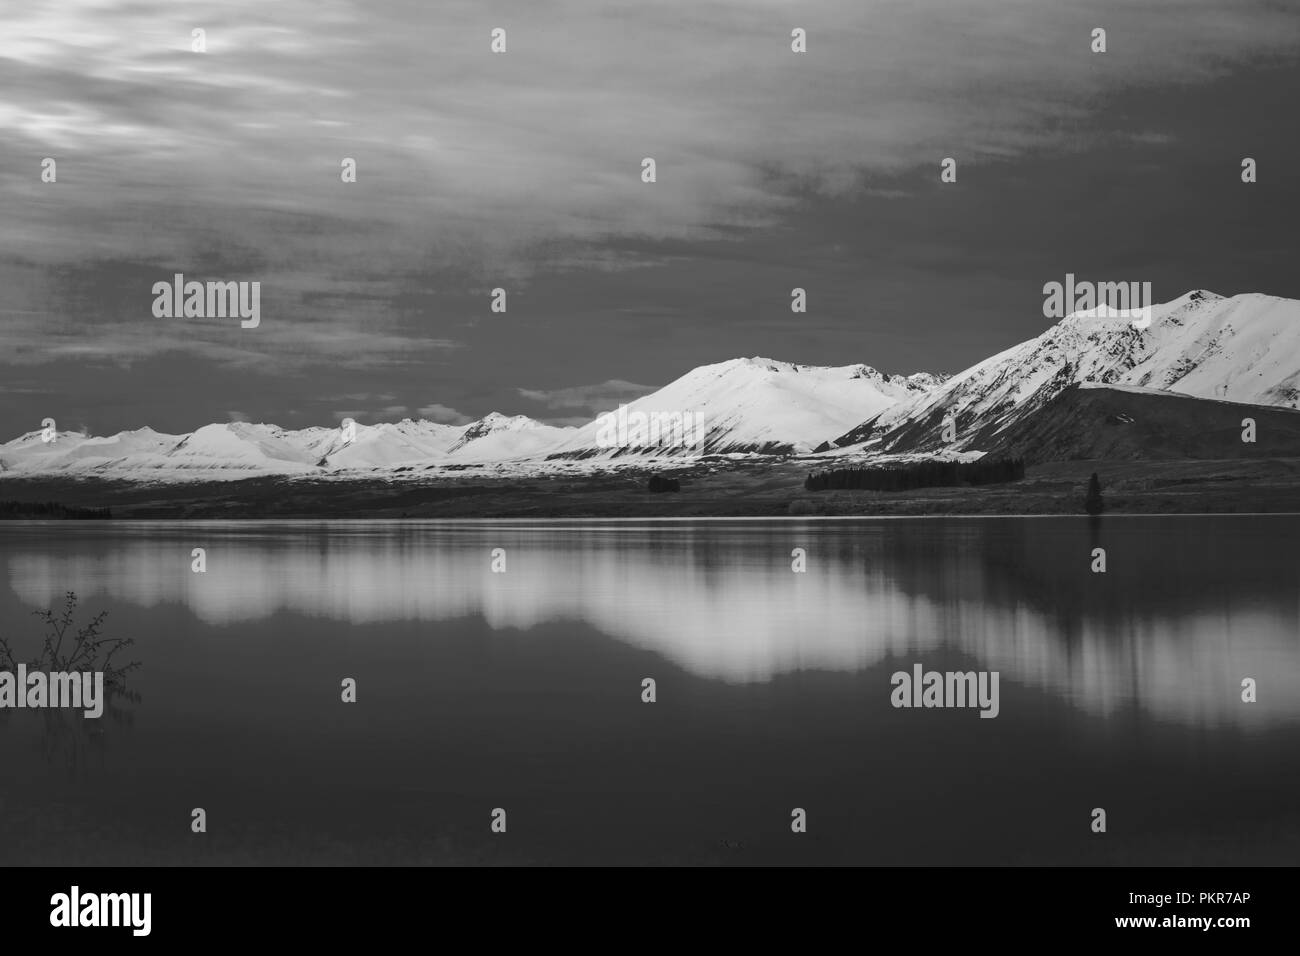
column 522, row 689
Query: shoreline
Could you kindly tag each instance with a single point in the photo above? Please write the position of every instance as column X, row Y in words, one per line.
column 752, row 489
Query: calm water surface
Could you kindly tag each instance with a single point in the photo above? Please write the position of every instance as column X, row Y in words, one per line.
column 522, row 690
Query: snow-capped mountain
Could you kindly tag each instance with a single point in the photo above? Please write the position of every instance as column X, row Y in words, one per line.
column 750, row 405
column 498, row 437
column 237, row 445
column 1240, row 349
column 243, row 449
column 1244, row 349
column 381, row 446
column 75, row 452
column 744, row 405
column 32, row 448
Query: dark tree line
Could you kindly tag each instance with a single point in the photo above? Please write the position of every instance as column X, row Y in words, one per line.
column 50, row 509
column 924, row 474
column 658, row 483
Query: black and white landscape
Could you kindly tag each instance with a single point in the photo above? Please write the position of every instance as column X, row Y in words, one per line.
column 375, row 380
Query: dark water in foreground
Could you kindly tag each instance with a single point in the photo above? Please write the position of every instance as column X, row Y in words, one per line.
column 522, row 690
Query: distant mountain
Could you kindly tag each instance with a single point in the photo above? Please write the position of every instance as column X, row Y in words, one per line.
column 240, row 449
column 383, row 445
column 77, row 453
column 1244, row 349
column 744, row 405
column 757, row 405
column 498, row 437
column 1240, row 349
column 1126, row 423
column 240, row 446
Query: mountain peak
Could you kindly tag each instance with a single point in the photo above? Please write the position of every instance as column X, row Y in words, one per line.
column 752, row 405
column 1195, row 297
column 1242, row 349
column 495, row 421
column 756, row 362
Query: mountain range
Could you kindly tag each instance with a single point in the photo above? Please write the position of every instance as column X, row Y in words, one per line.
column 1243, row 349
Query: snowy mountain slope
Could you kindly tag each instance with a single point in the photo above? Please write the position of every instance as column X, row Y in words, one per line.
column 235, row 446
column 241, row 449
column 498, row 437
column 382, row 445
column 72, row 451
column 1240, row 349
column 30, row 450
column 123, row 444
column 236, row 449
column 755, row 405
column 106, row 454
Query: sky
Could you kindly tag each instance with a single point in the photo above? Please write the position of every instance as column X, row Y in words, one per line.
column 522, row 170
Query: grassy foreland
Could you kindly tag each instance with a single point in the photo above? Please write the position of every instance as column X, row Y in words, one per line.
column 50, row 509
column 755, row 487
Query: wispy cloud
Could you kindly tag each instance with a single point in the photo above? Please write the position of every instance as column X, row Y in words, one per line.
column 476, row 156
column 443, row 414
column 592, row 399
